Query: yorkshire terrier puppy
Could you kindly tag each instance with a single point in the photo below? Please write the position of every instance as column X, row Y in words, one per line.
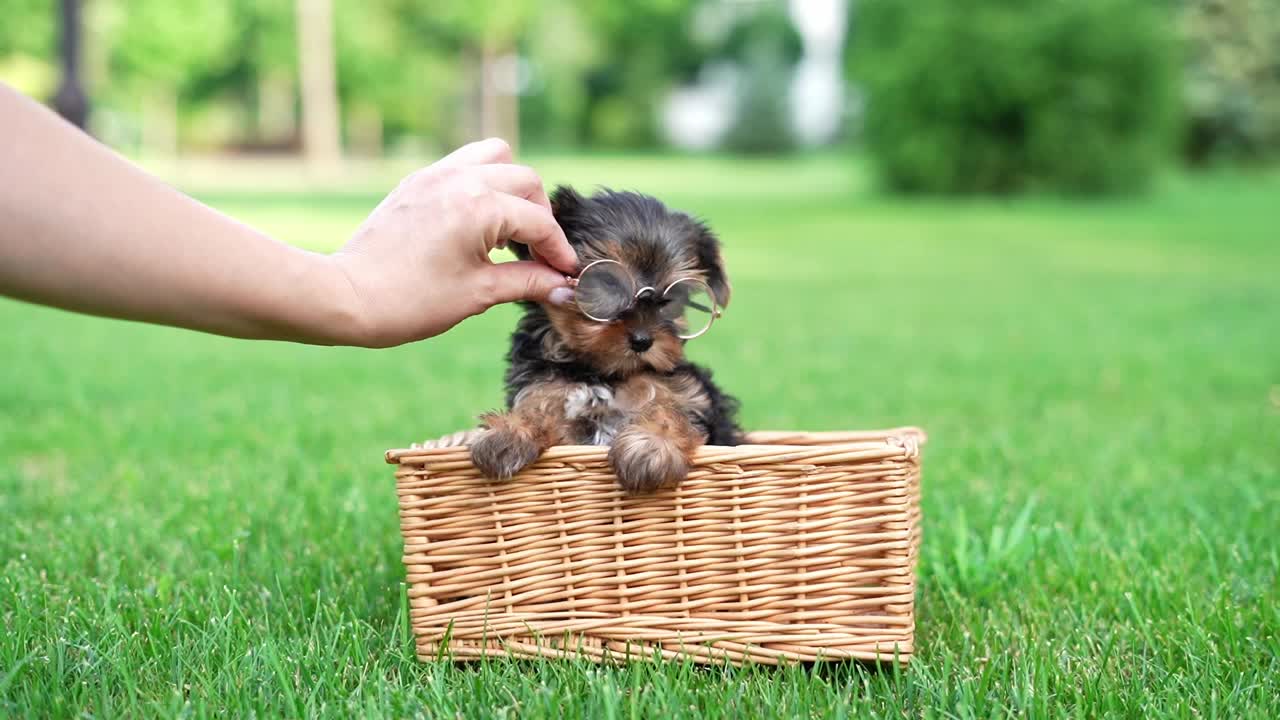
column 609, row 367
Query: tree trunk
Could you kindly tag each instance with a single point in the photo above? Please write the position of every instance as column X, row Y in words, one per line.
column 321, row 142
column 364, row 130
column 499, row 85
column 160, row 122
column 276, row 125
column 70, row 100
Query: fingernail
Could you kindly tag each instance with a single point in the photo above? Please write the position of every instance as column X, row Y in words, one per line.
column 560, row 296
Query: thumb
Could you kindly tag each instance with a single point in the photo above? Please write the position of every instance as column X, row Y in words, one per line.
column 527, row 280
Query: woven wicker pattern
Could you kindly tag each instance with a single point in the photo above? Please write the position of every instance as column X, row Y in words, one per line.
column 801, row 547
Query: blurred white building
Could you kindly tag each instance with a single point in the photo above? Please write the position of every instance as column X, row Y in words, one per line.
column 817, row 90
column 697, row 117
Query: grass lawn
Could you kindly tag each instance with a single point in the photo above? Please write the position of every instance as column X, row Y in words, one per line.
column 194, row 525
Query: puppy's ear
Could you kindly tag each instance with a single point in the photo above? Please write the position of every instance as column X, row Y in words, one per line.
column 565, row 203
column 711, row 263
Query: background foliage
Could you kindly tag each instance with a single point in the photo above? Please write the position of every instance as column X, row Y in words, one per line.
column 974, row 96
column 1001, row 95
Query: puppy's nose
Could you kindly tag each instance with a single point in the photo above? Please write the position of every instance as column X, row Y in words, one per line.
column 640, row 340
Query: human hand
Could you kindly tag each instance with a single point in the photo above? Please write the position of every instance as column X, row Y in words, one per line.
column 420, row 262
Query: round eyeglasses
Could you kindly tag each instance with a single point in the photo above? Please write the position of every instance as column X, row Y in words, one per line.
column 605, row 289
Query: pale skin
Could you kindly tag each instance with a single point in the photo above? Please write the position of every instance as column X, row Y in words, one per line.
column 83, row 229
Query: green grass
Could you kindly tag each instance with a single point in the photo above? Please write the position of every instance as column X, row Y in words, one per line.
column 191, row 525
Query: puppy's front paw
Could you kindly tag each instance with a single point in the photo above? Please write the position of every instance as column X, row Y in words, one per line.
column 500, row 454
column 645, row 462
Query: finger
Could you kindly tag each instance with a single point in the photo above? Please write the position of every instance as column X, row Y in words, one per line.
column 526, row 280
column 482, row 152
column 518, row 180
column 524, row 222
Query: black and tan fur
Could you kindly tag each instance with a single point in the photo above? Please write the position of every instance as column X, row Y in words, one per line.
column 625, row 384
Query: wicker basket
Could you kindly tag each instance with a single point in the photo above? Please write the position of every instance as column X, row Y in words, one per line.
column 799, row 547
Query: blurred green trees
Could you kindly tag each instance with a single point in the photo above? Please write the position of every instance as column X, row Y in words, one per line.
column 605, row 67
column 958, row 95
column 225, row 72
column 1005, row 95
column 160, row 53
column 26, row 40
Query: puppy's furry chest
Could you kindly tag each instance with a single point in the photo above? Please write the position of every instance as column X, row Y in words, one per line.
column 598, row 411
column 595, row 413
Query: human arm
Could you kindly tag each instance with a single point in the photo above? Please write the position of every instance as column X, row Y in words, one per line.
column 83, row 229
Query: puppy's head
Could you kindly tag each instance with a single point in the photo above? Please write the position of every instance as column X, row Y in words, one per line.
column 657, row 247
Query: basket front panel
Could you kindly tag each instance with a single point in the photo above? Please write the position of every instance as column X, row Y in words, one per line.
column 763, row 562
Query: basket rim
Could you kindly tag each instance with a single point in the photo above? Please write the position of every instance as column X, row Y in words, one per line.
column 907, row 438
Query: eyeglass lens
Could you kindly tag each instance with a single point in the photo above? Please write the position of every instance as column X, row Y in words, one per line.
column 605, row 290
column 690, row 305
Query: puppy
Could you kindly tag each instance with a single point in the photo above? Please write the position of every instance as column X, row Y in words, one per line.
column 609, row 367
